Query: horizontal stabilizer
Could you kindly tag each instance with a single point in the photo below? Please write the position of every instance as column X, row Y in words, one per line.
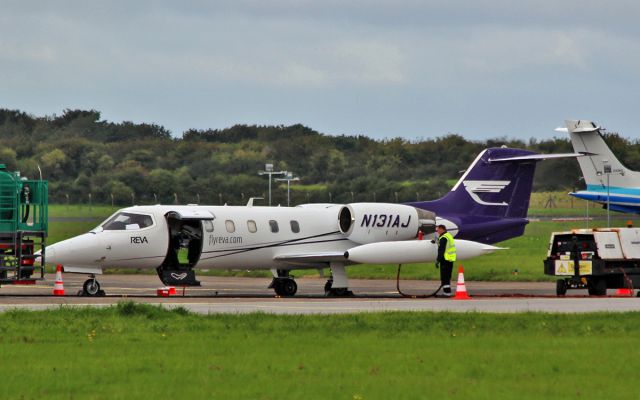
column 581, row 126
column 539, row 157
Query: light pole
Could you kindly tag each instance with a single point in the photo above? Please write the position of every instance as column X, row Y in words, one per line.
column 288, row 177
column 268, row 170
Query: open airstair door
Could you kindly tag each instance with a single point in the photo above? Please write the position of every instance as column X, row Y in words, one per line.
column 185, row 229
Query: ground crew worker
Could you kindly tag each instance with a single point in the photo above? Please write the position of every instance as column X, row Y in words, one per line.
column 446, row 257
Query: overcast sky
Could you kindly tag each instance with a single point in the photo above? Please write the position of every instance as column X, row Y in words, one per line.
column 480, row 68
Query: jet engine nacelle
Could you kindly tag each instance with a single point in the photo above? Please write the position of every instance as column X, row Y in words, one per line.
column 380, row 222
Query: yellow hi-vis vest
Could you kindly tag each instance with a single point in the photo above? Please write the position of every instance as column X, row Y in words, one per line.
column 450, row 251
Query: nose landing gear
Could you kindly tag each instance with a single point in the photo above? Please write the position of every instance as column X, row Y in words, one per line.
column 91, row 287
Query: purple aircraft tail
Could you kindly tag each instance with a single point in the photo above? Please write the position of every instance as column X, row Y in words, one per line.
column 490, row 201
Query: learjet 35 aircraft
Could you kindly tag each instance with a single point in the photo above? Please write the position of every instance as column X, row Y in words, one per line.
column 487, row 205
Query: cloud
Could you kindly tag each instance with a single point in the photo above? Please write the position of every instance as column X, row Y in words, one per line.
column 365, row 66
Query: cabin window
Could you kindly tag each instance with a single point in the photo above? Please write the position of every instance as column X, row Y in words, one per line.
column 208, row 225
column 295, row 226
column 251, row 225
column 274, row 226
column 124, row 221
column 231, row 227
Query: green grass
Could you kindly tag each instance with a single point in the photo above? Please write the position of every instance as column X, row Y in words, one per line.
column 594, row 211
column 143, row 352
column 565, row 206
column 318, row 187
column 63, row 230
column 406, row 184
column 99, row 212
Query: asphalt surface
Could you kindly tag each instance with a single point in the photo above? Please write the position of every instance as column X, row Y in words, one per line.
column 244, row 295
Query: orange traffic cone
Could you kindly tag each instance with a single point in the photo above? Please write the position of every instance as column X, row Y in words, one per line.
column 58, row 287
column 624, row 292
column 461, row 289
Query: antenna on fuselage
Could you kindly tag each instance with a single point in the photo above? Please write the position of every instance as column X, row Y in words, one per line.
column 251, row 199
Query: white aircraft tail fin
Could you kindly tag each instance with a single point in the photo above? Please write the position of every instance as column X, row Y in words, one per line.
column 599, row 159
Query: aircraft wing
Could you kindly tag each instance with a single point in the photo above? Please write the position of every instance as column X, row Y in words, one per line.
column 312, row 258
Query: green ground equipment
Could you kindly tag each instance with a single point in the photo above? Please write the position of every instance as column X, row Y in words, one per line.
column 23, row 227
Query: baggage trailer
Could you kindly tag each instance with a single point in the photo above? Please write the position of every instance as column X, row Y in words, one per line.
column 23, row 228
column 594, row 259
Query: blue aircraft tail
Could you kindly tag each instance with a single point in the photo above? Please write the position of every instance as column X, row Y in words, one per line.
column 490, row 201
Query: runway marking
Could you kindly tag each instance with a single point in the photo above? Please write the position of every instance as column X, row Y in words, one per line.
column 28, row 286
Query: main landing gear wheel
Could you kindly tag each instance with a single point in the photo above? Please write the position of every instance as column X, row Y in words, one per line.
column 339, row 292
column 330, row 291
column 91, row 287
column 285, row 287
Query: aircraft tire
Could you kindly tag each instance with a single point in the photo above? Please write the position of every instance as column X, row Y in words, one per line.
column 327, row 286
column 561, row 287
column 285, row 287
column 91, row 287
column 339, row 292
column 288, row 287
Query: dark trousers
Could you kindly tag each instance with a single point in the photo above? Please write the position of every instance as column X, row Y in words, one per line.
column 446, row 269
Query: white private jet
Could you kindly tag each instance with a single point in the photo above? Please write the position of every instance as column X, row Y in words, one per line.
column 488, row 205
column 175, row 239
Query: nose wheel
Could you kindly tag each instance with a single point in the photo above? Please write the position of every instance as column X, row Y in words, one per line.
column 91, row 287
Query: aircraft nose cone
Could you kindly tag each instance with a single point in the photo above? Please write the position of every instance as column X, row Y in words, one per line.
column 77, row 251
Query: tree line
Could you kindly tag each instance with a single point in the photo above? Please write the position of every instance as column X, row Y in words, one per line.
column 87, row 159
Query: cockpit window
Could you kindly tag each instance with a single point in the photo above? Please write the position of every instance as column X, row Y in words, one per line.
column 127, row 221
